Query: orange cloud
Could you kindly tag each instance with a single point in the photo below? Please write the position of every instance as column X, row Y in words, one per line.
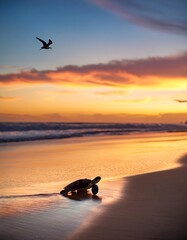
column 52, row 92
column 140, row 72
column 8, row 99
column 181, row 101
column 119, row 92
column 143, row 100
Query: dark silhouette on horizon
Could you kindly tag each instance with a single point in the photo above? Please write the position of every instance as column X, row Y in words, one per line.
column 45, row 45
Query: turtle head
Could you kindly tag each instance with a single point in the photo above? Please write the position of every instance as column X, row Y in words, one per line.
column 96, row 180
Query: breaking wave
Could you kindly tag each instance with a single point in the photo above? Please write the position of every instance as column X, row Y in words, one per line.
column 15, row 132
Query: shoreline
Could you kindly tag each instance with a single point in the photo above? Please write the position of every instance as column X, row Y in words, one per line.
column 127, row 164
column 109, row 156
column 152, row 206
column 97, row 136
column 82, row 139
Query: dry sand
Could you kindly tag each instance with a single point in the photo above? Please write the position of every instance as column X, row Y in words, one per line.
column 153, row 206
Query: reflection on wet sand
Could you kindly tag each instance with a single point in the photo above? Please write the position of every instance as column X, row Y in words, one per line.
column 26, row 204
column 47, row 217
column 35, row 172
column 81, row 196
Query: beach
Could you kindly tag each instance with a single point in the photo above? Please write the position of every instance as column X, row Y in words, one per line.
column 153, row 206
column 142, row 194
column 93, row 120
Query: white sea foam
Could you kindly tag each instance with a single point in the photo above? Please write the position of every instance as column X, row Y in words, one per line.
column 14, row 132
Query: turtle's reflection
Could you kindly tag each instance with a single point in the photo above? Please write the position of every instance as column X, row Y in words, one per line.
column 81, row 195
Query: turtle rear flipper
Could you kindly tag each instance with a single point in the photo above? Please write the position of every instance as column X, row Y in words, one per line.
column 95, row 189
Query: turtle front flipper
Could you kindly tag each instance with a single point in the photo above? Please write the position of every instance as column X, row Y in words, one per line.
column 64, row 191
column 95, row 189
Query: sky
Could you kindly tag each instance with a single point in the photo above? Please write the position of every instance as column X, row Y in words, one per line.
column 111, row 61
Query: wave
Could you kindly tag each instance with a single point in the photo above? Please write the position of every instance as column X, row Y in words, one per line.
column 15, row 132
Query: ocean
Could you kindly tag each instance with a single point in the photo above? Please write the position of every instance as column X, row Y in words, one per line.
column 20, row 131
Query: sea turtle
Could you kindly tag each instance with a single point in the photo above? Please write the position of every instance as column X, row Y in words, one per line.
column 81, row 185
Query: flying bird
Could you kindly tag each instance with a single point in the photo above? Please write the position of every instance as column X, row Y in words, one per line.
column 45, row 45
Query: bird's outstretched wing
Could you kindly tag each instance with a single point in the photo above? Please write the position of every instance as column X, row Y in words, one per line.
column 50, row 42
column 44, row 43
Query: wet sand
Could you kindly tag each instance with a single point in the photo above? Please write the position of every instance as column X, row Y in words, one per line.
column 152, row 206
column 142, row 193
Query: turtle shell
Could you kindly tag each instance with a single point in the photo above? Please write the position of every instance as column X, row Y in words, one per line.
column 79, row 184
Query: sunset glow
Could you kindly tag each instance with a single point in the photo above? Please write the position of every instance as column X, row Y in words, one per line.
column 138, row 88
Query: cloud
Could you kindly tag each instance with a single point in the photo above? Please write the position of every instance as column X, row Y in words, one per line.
column 162, row 15
column 30, row 76
column 52, row 92
column 180, row 101
column 119, row 92
column 66, row 91
column 139, row 72
column 8, row 99
column 142, row 100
